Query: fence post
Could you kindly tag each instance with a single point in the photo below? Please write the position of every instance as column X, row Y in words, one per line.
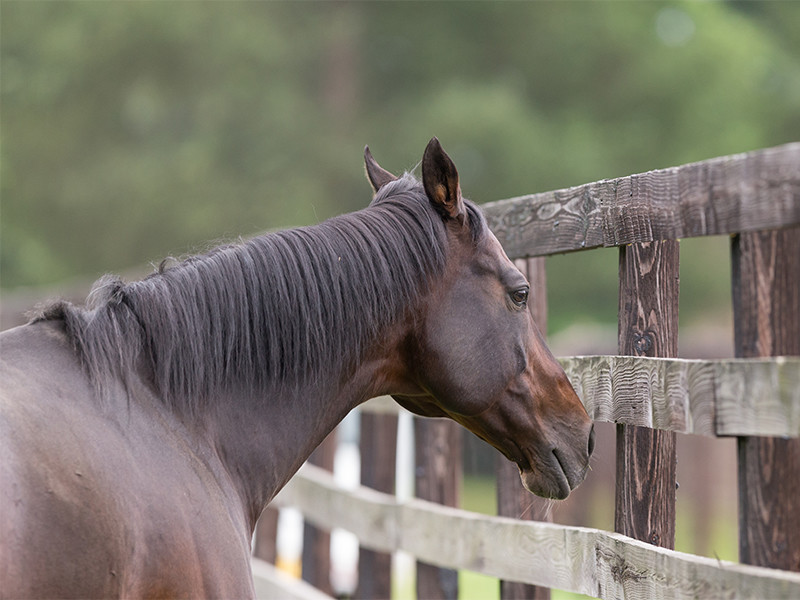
column 266, row 535
column 378, row 446
column 317, row 543
column 513, row 500
column 648, row 326
column 766, row 312
column 438, row 459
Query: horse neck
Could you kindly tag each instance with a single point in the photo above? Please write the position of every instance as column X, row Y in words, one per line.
column 267, row 435
column 263, row 441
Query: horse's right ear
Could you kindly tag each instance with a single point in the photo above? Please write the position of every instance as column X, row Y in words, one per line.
column 440, row 179
column 377, row 175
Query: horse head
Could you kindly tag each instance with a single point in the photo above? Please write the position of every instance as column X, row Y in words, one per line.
column 472, row 352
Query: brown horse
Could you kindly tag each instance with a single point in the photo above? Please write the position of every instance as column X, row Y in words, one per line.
column 143, row 435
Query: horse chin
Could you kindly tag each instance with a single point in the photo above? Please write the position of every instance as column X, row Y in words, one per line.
column 554, row 487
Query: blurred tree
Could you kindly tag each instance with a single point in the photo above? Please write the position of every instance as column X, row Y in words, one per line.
column 135, row 130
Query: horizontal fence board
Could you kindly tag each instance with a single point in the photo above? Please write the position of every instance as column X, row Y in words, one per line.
column 706, row 397
column 725, row 397
column 744, row 192
column 759, row 397
column 271, row 583
column 577, row 559
column 370, row 515
column 672, row 394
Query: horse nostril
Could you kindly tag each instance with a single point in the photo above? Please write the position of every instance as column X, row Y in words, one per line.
column 591, row 440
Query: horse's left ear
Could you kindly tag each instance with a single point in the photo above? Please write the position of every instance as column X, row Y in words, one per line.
column 440, row 179
column 377, row 175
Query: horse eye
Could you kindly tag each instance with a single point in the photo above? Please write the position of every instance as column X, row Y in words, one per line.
column 520, row 297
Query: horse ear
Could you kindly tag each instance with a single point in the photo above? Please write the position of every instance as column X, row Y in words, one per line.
column 377, row 175
column 440, row 178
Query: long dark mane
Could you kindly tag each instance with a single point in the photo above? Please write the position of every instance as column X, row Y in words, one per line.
column 279, row 309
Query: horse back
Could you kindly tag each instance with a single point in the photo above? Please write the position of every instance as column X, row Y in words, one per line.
column 101, row 500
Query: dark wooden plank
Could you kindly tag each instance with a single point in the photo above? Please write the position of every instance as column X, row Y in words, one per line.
column 378, row 446
column 646, row 458
column 745, row 192
column 316, row 542
column 437, row 447
column 766, row 302
column 266, row 536
column 513, row 500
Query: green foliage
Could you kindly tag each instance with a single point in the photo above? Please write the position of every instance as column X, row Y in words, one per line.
column 135, row 130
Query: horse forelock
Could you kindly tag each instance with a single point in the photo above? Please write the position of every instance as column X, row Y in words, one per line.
column 294, row 307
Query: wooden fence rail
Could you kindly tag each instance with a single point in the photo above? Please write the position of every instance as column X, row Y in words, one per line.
column 726, row 397
column 577, row 559
column 746, row 192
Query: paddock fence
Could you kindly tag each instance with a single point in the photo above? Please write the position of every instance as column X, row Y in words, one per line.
column 645, row 390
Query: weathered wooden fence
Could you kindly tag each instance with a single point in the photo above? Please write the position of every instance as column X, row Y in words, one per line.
column 648, row 392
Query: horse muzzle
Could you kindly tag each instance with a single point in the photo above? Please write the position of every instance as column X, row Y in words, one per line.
column 557, row 470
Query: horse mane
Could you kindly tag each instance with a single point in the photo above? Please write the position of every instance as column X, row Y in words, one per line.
column 281, row 309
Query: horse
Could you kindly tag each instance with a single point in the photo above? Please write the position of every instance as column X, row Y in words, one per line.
column 144, row 433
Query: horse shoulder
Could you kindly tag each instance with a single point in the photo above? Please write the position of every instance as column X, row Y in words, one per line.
column 103, row 501
column 46, row 489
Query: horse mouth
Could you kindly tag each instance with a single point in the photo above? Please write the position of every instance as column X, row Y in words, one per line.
column 544, row 472
column 551, row 480
column 565, row 485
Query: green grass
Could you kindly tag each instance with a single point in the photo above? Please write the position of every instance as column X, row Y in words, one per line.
column 474, row 586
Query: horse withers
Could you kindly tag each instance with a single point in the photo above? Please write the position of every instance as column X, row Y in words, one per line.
column 142, row 435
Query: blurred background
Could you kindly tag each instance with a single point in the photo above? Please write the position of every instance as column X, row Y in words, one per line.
column 133, row 131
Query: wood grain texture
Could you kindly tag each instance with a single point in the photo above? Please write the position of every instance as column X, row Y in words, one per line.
column 648, row 326
column 582, row 560
column 745, row 192
column 766, row 293
column 646, row 483
column 723, row 397
column 758, row 397
column 769, row 516
column 766, row 303
column 648, row 299
column 671, row 394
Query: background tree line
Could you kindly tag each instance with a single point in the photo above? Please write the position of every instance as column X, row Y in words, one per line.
column 131, row 131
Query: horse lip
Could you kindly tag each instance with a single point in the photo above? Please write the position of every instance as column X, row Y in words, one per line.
column 525, row 461
column 564, row 483
column 557, row 468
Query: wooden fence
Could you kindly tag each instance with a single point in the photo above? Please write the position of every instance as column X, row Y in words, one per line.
column 645, row 390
